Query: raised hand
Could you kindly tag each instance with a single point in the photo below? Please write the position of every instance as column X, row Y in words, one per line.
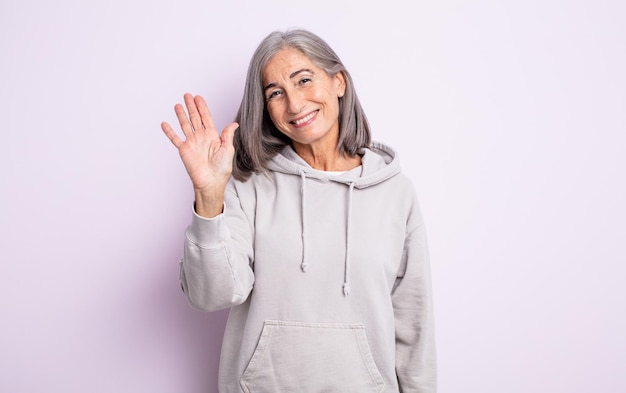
column 206, row 154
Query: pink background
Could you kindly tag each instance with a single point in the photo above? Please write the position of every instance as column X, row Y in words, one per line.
column 509, row 116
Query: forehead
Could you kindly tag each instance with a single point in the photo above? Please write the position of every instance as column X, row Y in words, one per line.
column 284, row 63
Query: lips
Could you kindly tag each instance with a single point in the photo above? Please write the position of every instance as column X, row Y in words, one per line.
column 304, row 120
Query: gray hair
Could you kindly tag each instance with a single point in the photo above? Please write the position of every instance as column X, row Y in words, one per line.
column 258, row 139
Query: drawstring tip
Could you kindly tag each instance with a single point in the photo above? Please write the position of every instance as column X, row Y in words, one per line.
column 304, row 267
column 346, row 289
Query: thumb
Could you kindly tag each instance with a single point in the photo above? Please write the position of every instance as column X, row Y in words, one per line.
column 228, row 134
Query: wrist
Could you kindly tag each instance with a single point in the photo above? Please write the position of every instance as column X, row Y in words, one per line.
column 208, row 203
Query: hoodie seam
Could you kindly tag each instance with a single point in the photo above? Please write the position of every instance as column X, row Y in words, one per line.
column 221, row 244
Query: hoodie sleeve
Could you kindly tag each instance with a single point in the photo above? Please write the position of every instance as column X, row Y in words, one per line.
column 413, row 311
column 215, row 271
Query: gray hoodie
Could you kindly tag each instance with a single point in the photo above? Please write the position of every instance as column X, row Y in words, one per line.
column 327, row 277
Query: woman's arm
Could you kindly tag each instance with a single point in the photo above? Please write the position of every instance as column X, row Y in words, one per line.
column 215, row 271
column 413, row 310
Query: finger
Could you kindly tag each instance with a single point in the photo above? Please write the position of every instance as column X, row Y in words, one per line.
column 183, row 120
column 228, row 134
column 171, row 134
column 205, row 113
column 194, row 116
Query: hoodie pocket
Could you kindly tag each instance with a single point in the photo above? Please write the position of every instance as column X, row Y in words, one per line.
column 312, row 357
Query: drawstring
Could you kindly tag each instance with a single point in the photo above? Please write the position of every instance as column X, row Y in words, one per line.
column 304, row 266
column 346, row 277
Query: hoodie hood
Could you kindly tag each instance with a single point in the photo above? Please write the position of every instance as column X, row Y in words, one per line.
column 378, row 163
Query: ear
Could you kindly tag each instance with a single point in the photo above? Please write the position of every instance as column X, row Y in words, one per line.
column 340, row 81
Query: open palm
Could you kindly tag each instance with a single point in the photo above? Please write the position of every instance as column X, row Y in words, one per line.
column 206, row 154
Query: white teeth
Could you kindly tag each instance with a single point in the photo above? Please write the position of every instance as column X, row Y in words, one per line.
column 304, row 119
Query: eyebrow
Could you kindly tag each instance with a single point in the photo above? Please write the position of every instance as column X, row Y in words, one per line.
column 291, row 76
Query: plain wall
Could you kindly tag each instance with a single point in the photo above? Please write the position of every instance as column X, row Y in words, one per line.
column 510, row 116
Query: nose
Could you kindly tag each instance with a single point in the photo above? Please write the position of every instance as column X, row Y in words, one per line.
column 295, row 102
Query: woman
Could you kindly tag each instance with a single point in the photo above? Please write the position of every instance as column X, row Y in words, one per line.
column 308, row 232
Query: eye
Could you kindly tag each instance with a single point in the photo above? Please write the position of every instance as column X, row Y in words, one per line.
column 305, row 81
column 273, row 95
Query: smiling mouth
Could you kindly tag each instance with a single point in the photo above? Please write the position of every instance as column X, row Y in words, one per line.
column 304, row 120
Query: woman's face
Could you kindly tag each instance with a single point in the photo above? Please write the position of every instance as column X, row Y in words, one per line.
column 302, row 100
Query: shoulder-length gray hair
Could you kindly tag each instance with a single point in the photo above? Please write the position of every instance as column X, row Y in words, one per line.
column 258, row 139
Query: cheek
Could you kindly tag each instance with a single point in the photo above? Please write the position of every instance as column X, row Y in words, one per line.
column 328, row 96
column 323, row 95
column 332, row 101
column 273, row 112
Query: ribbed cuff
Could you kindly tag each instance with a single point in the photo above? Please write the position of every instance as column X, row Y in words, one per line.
column 207, row 232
